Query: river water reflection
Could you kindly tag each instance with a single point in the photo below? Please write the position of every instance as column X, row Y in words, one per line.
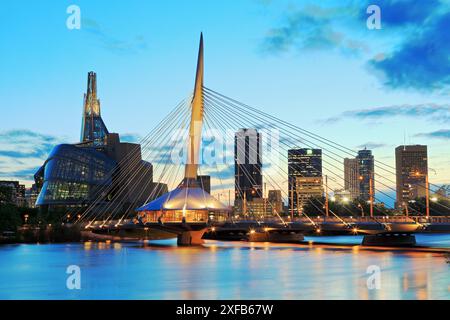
column 224, row 270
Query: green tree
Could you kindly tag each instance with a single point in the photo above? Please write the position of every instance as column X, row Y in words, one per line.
column 10, row 217
column 439, row 207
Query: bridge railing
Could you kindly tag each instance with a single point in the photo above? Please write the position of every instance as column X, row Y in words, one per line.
column 350, row 220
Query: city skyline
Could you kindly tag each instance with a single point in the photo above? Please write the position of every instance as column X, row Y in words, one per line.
column 250, row 152
column 92, row 113
column 26, row 139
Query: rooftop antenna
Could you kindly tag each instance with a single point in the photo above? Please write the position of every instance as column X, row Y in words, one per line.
column 404, row 139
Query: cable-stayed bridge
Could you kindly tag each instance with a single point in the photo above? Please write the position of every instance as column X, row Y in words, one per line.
column 176, row 147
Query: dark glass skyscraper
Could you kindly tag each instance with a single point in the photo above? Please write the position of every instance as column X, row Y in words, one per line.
column 366, row 171
column 248, row 164
column 304, row 177
column 411, row 164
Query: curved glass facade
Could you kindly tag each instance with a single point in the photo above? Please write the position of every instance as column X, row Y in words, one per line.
column 72, row 174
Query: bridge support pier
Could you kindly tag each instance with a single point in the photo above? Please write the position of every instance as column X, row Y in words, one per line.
column 389, row 239
column 191, row 238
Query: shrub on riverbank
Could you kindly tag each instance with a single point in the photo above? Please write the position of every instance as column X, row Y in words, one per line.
column 31, row 225
column 49, row 234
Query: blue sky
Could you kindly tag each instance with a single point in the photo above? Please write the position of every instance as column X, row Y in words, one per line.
column 313, row 63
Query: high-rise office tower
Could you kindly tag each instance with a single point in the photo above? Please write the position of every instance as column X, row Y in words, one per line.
column 366, row 167
column 411, row 163
column 304, row 177
column 359, row 174
column 275, row 201
column 248, row 164
column 15, row 194
column 351, row 177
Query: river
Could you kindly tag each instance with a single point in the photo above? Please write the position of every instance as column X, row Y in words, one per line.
column 226, row 270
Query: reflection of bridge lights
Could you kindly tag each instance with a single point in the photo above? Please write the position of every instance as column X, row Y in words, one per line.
column 266, row 229
column 252, row 231
column 213, row 229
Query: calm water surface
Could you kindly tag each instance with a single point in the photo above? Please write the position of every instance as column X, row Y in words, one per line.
column 223, row 270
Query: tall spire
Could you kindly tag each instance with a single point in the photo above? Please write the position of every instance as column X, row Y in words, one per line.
column 92, row 129
column 195, row 130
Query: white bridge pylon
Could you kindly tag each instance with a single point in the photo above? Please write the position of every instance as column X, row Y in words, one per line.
column 188, row 204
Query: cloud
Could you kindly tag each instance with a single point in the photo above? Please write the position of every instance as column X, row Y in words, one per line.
column 22, row 152
column 371, row 145
column 415, row 40
column 439, row 134
column 111, row 43
column 313, row 28
column 432, row 112
column 421, row 61
column 401, row 13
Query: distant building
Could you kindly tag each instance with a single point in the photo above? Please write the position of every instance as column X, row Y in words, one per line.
column 342, row 195
column 359, row 173
column 204, row 182
column 366, row 166
column 443, row 191
column 306, row 188
column 257, row 207
column 275, row 201
column 411, row 164
column 31, row 195
column 15, row 192
column 248, row 165
column 100, row 168
column 304, row 177
column 351, row 177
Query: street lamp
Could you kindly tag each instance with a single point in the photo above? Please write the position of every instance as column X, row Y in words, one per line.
column 362, row 209
column 427, row 192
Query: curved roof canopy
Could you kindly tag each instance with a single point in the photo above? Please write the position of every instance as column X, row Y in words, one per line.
column 183, row 198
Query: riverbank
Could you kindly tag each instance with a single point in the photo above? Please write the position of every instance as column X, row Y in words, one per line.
column 71, row 234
